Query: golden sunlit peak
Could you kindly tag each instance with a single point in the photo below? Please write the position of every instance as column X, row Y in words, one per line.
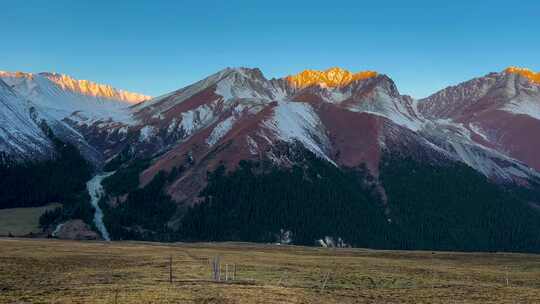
column 333, row 77
column 16, row 74
column 84, row 87
column 91, row 88
column 532, row 76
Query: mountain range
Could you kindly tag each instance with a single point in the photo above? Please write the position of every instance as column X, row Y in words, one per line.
column 185, row 146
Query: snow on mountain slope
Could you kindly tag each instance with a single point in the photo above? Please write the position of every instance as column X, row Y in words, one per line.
column 183, row 112
column 376, row 94
column 228, row 84
column 457, row 142
column 384, row 100
column 348, row 119
column 178, row 115
column 349, row 124
column 60, row 96
column 20, row 136
column 524, row 106
column 505, row 91
column 70, row 107
column 294, row 117
column 293, row 121
column 505, row 106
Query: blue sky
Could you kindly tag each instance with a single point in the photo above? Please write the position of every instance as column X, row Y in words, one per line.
column 154, row 47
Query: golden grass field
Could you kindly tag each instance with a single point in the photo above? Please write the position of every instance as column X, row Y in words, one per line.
column 52, row 271
column 22, row 221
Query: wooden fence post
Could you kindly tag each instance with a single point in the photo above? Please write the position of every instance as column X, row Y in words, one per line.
column 214, row 274
column 216, row 269
column 170, row 270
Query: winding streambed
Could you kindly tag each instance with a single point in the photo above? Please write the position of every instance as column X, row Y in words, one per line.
column 95, row 190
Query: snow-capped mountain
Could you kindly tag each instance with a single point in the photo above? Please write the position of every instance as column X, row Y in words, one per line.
column 348, row 119
column 500, row 111
column 366, row 156
column 61, row 96
column 65, row 103
column 277, row 109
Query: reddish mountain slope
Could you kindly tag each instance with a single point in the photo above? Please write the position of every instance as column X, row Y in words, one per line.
column 500, row 110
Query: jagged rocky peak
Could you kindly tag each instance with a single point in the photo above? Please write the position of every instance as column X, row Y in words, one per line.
column 333, row 77
column 524, row 72
column 83, row 87
column 254, row 73
column 381, row 82
column 245, row 83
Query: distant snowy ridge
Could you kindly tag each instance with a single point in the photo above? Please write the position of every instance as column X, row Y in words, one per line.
column 20, row 135
column 61, row 96
column 84, row 87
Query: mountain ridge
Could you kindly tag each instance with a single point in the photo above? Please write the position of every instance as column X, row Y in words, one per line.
column 495, row 109
column 166, row 120
column 85, row 87
column 175, row 153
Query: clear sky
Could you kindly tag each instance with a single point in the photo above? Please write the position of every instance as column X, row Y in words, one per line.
column 154, row 47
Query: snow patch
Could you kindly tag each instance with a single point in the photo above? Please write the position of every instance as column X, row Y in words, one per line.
column 230, row 89
column 298, row 121
column 524, row 107
column 392, row 108
column 195, row 119
column 123, row 130
column 172, row 126
column 478, row 131
column 252, row 145
column 220, row 130
column 146, row 133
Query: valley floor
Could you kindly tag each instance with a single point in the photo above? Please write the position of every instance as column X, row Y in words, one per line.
column 52, row 271
column 22, row 221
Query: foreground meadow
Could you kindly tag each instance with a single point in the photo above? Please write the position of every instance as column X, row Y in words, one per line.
column 52, row 271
